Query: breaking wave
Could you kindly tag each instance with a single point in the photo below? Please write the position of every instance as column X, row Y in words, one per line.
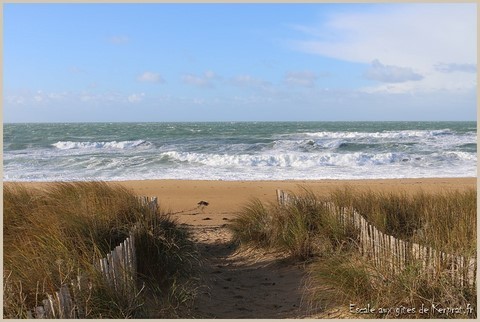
column 70, row 145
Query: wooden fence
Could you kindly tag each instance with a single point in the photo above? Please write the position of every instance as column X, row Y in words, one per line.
column 118, row 269
column 394, row 254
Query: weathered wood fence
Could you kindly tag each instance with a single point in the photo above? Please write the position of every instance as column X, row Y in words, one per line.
column 394, row 254
column 118, row 269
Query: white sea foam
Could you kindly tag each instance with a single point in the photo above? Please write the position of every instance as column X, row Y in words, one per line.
column 305, row 160
column 383, row 135
column 70, row 145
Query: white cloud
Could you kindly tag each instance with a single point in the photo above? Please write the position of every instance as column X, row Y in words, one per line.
column 44, row 98
column 119, row 39
column 204, row 81
column 15, row 99
column 248, row 81
column 76, row 70
column 135, row 98
column 451, row 68
column 419, row 36
column 301, row 78
column 391, row 74
column 150, row 77
column 39, row 96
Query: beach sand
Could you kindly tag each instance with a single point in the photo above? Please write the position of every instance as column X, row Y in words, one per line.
column 256, row 283
column 227, row 197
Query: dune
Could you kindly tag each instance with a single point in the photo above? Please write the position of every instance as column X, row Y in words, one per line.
column 256, row 283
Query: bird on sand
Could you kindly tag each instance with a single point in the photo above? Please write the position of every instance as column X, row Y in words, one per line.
column 203, row 203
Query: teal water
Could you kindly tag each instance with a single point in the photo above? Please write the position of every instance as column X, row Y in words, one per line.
column 239, row 151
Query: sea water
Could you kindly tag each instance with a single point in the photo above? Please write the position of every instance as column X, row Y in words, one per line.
column 238, row 150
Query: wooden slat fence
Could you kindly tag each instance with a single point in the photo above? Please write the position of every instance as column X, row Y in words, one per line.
column 395, row 254
column 118, row 269
column 151, row 202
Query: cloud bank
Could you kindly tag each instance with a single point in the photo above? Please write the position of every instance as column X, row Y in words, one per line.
column 428, row 41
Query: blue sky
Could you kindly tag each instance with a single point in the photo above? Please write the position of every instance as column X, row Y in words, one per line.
column 239, row 62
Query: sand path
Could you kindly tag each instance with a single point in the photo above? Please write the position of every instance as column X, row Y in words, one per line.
column 252, row 283
column 244, row 283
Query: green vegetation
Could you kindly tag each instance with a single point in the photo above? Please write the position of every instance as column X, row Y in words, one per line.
column 55, row 234
column 309, row 227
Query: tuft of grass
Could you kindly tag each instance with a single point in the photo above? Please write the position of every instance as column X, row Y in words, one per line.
column 346, row 273
column 303, row 228
column 252, row 225
column 54, row 234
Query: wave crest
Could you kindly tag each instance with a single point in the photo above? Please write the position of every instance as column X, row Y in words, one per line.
column 122, row 145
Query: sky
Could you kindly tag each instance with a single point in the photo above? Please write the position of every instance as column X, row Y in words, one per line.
column 239, row 62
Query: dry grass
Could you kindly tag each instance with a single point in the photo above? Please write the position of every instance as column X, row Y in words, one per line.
column 54, row 234
column 307, row 227
column 446, row 221
column 303, row 228
column 358, row 282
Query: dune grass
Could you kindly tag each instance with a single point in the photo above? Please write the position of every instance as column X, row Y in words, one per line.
column 359, row 283
column 445, row 221
column 309, row 228
column 303, row 228
column 51, row 235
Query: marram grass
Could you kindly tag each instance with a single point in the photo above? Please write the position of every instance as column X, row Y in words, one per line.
column 54, row 234
column 308, row 229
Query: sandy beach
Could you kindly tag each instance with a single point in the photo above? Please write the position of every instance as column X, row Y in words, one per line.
column 225, row 198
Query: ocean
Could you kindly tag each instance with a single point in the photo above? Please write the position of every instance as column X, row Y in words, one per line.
column 238, row 150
